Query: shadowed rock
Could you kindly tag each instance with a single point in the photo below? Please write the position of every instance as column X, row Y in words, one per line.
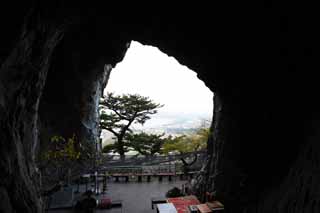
column 261, row 62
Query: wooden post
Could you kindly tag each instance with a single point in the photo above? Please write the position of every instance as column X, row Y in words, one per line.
column 169, row 163
column 104, row 186
column 181, row 176
column 78, row 185
column 69, row 177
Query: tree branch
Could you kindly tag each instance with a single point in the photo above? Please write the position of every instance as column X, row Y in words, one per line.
column 111, row 130
column 119, row 114
column 126, row 127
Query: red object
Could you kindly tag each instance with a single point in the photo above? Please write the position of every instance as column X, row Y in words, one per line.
column 203, row 208
column 104, row 203
column 182, row 203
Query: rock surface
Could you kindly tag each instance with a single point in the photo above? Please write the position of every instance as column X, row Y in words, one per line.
column 259, row 60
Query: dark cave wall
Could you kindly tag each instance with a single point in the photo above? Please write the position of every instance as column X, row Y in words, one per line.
column 80, row 68
column 260, row 156
column 79, row 73
column 262, row 68
column 69, row 103
column 24, row 66
column 261, row 64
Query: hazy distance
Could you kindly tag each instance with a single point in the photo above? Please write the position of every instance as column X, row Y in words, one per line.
column 149, row 72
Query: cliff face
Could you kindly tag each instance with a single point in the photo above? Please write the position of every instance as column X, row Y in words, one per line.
column 69, row 104
column 263, row 154
column 22, row 77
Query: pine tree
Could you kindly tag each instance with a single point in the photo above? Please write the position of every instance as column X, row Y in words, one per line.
column 119, row 112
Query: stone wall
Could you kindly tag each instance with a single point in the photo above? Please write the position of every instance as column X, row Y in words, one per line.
column 260, row 61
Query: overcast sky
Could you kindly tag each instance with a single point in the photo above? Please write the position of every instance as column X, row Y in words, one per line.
column 149, row 72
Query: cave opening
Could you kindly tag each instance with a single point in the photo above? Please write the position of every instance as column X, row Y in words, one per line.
column 182, row 123
column 70, row 102
column 187, row 104
column 264, row 78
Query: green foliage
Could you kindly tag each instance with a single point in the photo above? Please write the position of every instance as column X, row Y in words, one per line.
column 109, row 148
column 62, row 149
column 119, row 112
column 184, row 144
column 146, row 144
column 174, row 144
column 113, row 148
column 61, row 158
column 64, row 158
column 116, row 109
column 174, row 192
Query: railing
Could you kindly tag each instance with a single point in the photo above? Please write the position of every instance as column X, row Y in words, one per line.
column 152, row 164
column 132, row 164
column 147, row 160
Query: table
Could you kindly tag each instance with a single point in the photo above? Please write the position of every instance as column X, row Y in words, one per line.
column 166, row 208
column 203, row 208
column 157, row 200
column 215, row 206
column 182, row 203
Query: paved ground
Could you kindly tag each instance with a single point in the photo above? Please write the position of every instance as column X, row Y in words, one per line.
column 136, row 197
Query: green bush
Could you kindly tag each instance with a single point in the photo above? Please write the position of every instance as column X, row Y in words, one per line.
column 174, row 192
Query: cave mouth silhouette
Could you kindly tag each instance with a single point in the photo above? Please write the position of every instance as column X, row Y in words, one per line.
column 145, row 70
column 260, row 61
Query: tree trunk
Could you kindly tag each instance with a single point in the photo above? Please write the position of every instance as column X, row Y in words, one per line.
column 121, row 148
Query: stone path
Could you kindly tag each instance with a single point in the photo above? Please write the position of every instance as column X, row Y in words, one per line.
column 136, row 197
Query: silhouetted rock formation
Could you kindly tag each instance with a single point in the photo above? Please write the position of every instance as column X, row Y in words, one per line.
column 260, row 62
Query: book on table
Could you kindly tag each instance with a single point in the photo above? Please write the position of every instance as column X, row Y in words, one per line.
column 215, row 205
column 203, row 208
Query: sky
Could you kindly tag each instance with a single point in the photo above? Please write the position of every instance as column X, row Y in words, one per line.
column 147, row 71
